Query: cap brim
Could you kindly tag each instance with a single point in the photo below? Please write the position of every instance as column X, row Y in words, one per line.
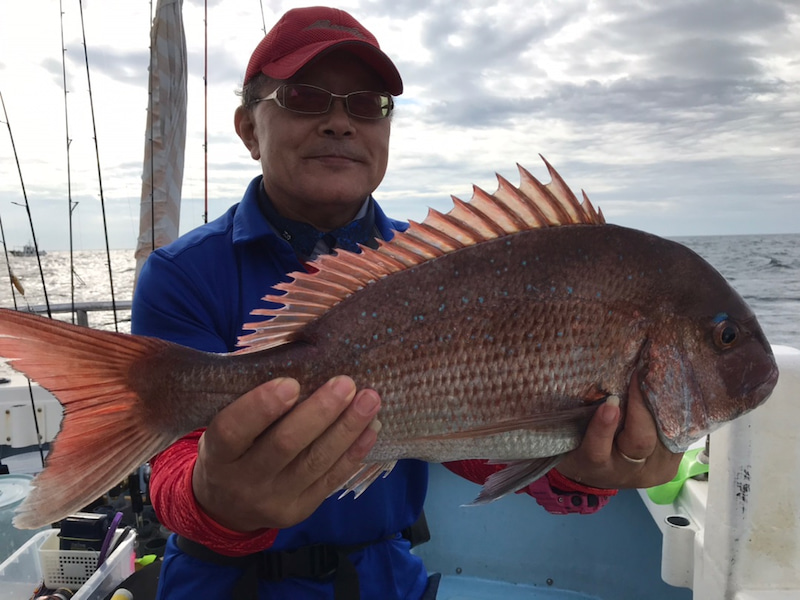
column 287, row 66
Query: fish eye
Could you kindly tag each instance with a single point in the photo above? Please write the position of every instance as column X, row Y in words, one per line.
column 726, row 334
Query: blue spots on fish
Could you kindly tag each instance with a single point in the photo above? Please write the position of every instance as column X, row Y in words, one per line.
column 464, row 300
column 442, row 306
column 419, row 318
column 720, row 317
column 569, row 290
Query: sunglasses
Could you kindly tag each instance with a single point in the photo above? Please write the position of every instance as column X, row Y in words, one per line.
column 312, row 100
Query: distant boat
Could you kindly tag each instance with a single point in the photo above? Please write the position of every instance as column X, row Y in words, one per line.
column 27, row 250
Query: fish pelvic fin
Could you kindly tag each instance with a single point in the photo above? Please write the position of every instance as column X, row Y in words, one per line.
column 517, row 475
column 104, row 434
column 485, row 217
column 365, row 477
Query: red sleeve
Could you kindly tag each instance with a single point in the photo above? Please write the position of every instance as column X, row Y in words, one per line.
column 175, row 505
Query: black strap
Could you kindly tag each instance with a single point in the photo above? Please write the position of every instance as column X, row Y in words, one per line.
column 319, row 561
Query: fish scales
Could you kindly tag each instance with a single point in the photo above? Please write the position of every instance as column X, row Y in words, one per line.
column 483, row 334
column 499, row 346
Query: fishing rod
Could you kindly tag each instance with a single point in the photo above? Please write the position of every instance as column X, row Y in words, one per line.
column 26, row 205
column 205, row 102
column 99, row 173
column 12, row 277
column 151, row 139
column 70, row 204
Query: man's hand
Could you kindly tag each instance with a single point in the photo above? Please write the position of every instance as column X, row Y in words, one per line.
column 632, row 458
column 265, row 463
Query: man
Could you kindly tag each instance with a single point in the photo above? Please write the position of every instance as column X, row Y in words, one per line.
column 249, row 496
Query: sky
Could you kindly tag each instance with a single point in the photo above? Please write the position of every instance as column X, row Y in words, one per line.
column 677, row 118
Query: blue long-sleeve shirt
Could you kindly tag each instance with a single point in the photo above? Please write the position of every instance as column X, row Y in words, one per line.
column 198, row 291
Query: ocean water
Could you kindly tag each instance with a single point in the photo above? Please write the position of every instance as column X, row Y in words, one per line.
column 764, row 269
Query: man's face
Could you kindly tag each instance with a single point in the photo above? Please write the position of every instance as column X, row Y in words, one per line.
column 319, row 168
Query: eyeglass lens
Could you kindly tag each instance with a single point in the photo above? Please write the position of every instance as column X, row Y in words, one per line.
column 310, row 99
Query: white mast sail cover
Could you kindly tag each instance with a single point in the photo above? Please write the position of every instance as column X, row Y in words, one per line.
column 162, row 176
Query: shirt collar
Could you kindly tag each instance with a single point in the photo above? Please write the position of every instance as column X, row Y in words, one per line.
column 250, row 224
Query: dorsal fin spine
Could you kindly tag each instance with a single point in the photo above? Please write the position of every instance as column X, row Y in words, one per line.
column 453, row 226
column 517, row 204
column 423, row 231
column 488, row 229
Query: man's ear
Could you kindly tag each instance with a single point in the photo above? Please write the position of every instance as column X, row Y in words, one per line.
column 246, row 130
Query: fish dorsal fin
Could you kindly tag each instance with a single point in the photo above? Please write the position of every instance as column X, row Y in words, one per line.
column 485, row 217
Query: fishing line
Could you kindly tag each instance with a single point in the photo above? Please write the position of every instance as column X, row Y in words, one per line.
column 99, row 173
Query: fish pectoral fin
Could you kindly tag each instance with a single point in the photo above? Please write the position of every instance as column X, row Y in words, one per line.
column 515, row 476
column 568, row 421
column 365, row 477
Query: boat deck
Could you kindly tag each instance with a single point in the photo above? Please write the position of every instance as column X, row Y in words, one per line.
column 514, row 549
column 454, row 587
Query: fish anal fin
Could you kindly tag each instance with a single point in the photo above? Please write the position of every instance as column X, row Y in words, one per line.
column 517, row 475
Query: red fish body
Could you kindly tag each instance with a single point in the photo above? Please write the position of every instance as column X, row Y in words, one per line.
column 491, row 332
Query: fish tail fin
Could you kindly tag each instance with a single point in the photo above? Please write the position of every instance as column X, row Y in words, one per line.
column 104, row 433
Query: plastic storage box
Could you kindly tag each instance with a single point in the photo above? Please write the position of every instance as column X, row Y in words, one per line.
column 40, row 560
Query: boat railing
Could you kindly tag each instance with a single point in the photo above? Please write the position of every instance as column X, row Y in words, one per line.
column 81, row 310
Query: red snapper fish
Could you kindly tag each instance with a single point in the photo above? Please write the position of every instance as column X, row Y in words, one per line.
column 493, row 331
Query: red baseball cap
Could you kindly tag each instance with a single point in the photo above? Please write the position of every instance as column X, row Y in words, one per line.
column 302, row 34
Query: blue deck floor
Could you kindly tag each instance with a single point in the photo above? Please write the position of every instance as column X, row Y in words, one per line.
column 454, row 587
column 513, row 549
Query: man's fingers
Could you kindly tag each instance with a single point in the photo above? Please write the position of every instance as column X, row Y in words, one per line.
column 336, row 453
column 599, row 438
column 232, row 432
column 639, row 436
